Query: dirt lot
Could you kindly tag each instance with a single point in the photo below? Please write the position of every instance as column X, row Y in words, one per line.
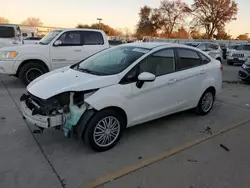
column 50, row 160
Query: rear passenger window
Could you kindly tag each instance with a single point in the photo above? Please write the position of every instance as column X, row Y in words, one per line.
column 188, row 59
column 92, row 38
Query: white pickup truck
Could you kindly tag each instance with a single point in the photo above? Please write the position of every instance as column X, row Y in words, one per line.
column 58, row 49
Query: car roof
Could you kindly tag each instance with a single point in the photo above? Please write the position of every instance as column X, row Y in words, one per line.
column 152, row 45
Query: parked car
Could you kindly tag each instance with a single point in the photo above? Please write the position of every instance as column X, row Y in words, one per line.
column 97, row 98
column 244, row 72
column 232, row 48
column 58, row 49
column 31, row 40
column 10, row 35
column 239, row 55
column 115, row 42
column 211, row 48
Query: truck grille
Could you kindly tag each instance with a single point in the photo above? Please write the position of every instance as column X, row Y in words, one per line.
column 238, row 55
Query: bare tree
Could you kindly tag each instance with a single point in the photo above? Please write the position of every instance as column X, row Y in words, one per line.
column 33, row 22
column 173, row 15
column 213, row 14
column 3, row 20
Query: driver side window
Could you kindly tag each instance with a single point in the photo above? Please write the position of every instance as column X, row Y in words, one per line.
column 159, row 63
column 71, row 38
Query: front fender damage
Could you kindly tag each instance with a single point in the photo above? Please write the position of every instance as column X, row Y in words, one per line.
column 62, row 111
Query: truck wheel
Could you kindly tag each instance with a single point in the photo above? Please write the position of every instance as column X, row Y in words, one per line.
column 30, row 72
column 104, row 130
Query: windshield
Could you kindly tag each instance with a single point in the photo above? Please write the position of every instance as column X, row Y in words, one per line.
column 7, row 32
column 233, row 47
column 49, row 37
column 193, row 44
column 111, row 61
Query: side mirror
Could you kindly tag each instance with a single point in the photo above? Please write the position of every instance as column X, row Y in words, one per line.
column 145, row 77
column 58, row 43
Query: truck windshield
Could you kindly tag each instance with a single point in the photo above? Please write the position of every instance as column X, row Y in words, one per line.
column 49, row 37
column 7, row 32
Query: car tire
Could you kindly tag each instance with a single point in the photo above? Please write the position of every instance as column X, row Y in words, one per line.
column 206, row 103
column 30, row 71
column 230, row 63
column 101, row 136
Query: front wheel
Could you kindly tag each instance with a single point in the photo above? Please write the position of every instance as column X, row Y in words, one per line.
column 104, row 130
column 30, row 72
column 206, row 103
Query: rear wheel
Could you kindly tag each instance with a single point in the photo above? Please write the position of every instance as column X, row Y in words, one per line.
column 206, row 103
column 30, row 72
column 104, row 130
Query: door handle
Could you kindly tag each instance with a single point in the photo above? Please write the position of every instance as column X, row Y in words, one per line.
column 77, row 50
column 172, row 81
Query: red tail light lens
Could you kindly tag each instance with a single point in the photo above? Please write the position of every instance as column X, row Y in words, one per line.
column 221, row 67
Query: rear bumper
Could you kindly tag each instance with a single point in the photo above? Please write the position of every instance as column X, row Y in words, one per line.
column 39, row 120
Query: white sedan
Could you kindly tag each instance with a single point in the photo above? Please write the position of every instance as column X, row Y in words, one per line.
column 97, row 98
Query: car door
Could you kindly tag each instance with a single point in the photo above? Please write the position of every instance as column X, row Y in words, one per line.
column 69, row 51
column 191, row 73
column 157, row 98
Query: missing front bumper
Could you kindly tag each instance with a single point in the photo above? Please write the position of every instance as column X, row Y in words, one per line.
column 39, row 120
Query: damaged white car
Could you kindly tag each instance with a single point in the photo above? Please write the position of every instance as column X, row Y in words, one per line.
column 97, row 98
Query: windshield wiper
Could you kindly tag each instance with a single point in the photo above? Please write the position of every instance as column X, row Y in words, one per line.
column 87, row 71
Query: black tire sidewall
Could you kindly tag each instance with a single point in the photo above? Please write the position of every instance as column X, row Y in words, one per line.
column 87, row 136
column 199, row 109
column 25, row 68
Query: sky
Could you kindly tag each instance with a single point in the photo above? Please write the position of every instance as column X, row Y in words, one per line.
column 116, row 13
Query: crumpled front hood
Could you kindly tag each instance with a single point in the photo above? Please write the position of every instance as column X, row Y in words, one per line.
column 66, row 79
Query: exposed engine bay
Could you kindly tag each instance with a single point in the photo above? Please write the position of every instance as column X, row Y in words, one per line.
column 63, row 110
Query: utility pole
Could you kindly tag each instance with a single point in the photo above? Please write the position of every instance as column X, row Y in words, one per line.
column 99, row 19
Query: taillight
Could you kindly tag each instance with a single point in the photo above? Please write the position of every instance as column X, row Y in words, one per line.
column 221, row 67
